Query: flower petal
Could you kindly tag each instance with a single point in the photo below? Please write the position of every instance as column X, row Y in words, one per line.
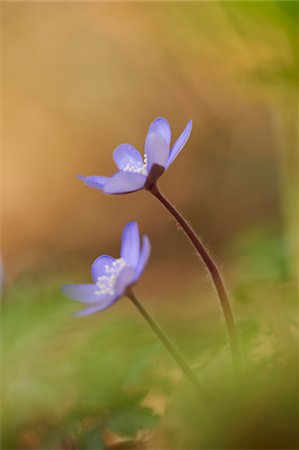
column 123, row 182
column 96, row 308
column 85, row 293
column 179, row 144
column 156, row 149
column 124, row 280
column 144, row 256
column 126, row 154
column 130, row 244
column 98, row 266
column 161, row 126
column 94, row 181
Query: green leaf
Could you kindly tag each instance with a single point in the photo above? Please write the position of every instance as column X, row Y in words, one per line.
column 91, row 439
column 129, row 420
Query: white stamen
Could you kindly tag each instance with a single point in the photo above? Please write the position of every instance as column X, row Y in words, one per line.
column 106, row 283
column 137, row 167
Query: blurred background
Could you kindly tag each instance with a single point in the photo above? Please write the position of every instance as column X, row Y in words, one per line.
column 78, row 80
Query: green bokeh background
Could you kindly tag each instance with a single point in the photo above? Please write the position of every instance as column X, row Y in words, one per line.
column 79, row 79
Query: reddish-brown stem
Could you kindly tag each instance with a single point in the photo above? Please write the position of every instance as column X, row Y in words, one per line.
column 214, row 272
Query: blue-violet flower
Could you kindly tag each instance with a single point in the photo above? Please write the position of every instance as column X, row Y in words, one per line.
column 112, row 277
column 135, row 172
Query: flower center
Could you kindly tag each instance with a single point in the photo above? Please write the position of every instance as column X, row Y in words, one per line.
column 137, row 167
column 106, row 283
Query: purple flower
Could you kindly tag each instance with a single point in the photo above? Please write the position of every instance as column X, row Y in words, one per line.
column 135, row 172
column 112, row 277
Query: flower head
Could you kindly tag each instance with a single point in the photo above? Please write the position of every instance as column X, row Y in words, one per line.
column 137, row 172
column 112, row 277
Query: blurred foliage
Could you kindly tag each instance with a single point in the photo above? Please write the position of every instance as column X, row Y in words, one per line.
column 279, row 14
column 259, row 413
column 64, row 381
column 105, row 382
column 278, row 74
column 263, row 255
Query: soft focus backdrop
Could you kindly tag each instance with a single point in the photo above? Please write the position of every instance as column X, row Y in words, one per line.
column 81, row 78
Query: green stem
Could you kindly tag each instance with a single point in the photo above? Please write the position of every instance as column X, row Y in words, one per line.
column 186, row 369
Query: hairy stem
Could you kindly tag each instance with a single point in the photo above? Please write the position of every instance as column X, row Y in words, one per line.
column 214, row 272
column 186, row 369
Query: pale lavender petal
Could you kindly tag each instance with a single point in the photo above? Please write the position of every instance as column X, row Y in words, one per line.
column 180, row 143
column 94, row 181
column 144, row 256
column 96, row 308
column 156, row 149
column 123, row 182
column 124, row 280
column 85, row 293
column 127, row 154
column 162, row 127
column 98, row 266
column 130, row 244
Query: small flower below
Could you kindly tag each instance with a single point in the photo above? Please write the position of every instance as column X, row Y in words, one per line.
column 134, row 170
column 112, row 277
